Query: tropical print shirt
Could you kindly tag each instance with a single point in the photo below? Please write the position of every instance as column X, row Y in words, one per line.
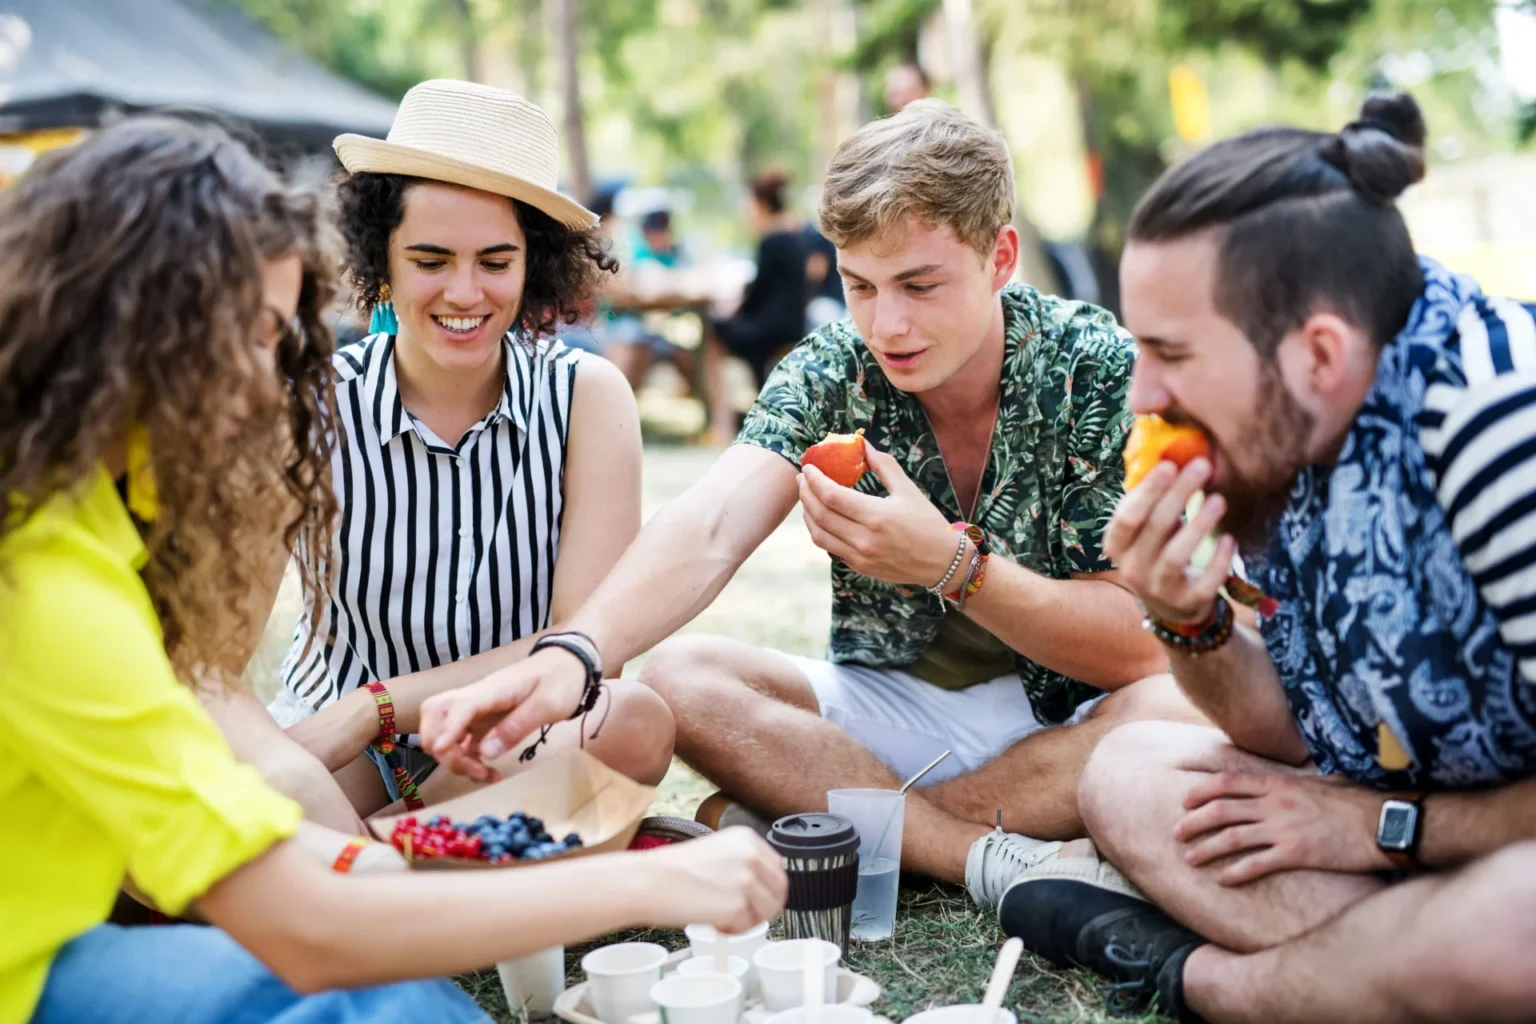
column 1050, row 485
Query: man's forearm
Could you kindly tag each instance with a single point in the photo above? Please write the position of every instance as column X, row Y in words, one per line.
column 676, row 567
column 1083, row 628
column 1238, row 689
column 1461, row 827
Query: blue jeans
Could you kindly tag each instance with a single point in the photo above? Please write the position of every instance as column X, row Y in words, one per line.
column 197, row 975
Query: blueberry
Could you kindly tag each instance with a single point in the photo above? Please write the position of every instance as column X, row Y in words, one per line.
column 534, row 824
column 573, row 840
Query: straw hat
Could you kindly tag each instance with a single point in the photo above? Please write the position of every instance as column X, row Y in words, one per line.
column 472, row 135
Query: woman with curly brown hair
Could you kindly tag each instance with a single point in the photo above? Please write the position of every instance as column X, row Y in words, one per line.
column 488, row 477
column 164, row 425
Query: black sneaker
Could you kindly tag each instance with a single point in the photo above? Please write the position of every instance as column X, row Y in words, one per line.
column 1075, row 923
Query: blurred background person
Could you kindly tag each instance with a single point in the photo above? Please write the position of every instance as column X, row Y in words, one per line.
column 905, row 83
column 771, row 317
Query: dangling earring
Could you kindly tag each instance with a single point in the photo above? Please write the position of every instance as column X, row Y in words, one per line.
column 383, row 319
column 143, row 495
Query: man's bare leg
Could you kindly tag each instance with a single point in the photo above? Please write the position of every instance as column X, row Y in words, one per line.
column 1131, row 796
column 1034, row 782
column 1454, row 947
column 748, row 720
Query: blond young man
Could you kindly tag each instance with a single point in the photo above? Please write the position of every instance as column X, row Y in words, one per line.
column 984, row 403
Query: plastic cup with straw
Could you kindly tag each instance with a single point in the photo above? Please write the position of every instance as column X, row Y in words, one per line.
column 878, row 816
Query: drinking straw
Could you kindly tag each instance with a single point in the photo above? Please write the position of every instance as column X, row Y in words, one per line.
column 1002, row 974
column 875, row 850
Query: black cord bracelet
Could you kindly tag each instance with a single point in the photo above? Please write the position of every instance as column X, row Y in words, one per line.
column 584, row 650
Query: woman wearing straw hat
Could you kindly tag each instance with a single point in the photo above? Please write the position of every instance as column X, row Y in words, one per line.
column 488, row 476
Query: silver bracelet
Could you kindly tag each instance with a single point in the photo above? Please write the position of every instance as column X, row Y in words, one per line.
column 937, row 590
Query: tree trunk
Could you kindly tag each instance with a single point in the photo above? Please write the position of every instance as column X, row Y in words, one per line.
column 566, row 42
column 469, row 49
column 975, row 88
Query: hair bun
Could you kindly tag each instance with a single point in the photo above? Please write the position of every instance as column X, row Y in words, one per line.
column 1383, row 151
column 1397, row 114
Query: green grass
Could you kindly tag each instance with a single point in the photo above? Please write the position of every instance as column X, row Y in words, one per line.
column 944, row 948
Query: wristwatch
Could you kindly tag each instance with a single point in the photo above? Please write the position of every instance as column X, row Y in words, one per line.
column 1400, row 828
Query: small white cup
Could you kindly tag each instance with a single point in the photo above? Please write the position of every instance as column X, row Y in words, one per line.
column 833, row 1013
column 736, row 968
column 531, row 983
column 965, row 1013
column 701, row 939
column 698, row 999
column 619, row 979
column 781, row 971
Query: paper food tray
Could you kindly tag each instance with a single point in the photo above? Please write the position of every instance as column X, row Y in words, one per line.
column 852, row 988
column 571, row 790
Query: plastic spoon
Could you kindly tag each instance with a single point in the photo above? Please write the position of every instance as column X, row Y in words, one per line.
column 814, row 983
column 722, row 954
column 1002, row 976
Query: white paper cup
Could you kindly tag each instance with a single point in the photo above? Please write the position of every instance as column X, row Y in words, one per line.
column 701, row 939
column 832, row 1013
column 736, row 968
column 965, row 1013
column 698, row 999
column 531, row 983
column 619, row 979
column 781, row 971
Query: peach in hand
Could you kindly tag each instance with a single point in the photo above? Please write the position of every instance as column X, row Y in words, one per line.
column 839, row 456
column 1153, row 440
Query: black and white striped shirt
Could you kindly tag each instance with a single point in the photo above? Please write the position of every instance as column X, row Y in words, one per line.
column 441, row 551
column 1478, row 432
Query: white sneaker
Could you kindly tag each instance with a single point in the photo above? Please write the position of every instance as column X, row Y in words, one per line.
column 999, row 857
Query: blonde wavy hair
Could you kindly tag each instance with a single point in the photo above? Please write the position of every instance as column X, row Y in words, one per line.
column 930, row 161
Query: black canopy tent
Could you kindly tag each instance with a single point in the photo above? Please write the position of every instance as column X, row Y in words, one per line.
column 74, row 63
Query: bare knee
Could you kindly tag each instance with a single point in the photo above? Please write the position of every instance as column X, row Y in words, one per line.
column 680, row 666
column 637, row 736
column 1155, row 697
column 1130, row 773
column 1473, row 953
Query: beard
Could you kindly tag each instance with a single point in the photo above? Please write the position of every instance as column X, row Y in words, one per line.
column 1273, row 452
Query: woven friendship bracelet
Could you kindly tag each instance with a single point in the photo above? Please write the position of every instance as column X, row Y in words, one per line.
column 387, row 744
column 348, row 855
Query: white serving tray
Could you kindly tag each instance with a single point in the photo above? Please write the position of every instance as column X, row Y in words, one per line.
column 852, row 988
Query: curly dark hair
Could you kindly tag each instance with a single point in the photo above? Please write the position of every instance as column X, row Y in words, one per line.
column 130, row 293
column 565, row 265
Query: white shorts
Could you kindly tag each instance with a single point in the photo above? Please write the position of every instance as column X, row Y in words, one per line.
column 907, row 722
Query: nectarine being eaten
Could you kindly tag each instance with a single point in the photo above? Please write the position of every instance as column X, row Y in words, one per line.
column 1153, row 440
column 839, row 456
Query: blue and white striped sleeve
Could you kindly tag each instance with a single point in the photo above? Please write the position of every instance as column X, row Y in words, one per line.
column 1479, row 435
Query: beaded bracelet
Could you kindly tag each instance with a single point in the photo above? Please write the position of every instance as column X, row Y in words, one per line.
column 348, row 855
column 386, row 745
column 937, row 590
column 1198, row 639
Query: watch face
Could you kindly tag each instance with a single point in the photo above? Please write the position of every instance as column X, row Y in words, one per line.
column 1395, row 831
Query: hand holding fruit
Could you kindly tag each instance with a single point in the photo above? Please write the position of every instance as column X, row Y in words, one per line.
column 1152, row 545
column 901, row 538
